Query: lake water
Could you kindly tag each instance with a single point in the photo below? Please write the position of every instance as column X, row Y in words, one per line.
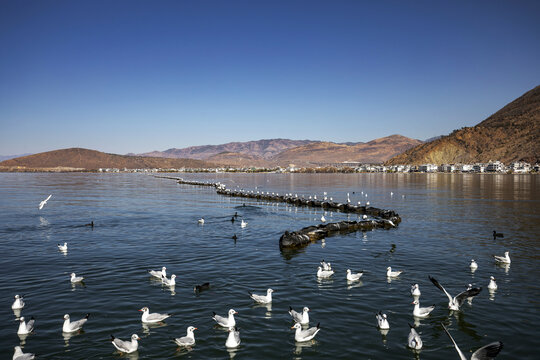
column 143, row 222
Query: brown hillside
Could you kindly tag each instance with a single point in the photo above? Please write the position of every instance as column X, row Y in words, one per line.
column 238, row 160
column 375, row 151
column 511, row 134
column 77, row 158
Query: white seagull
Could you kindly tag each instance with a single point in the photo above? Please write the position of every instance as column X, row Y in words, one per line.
column 70, row 327
column 159, row 274
column 455, row 302
column 324, row 273
column 415, row 290
column 503, row 259
column 201, row 221
column 169, row 282
column 305, row 335
column 382, row 321
column 414, row 341
column 19, row 355
column 25, row 327
column 76, row 279
column 42, row 204
column 126, row 346
column 325, row 265
column 233, row 339
column 18, row 303
column 302, row 318
column 153, row 317
column 390, row 273
column 227, row 322
column 323, row 219
column 262, row 299
column 492, row 284
column 486, row 352
column 243, row 223
column 473, row 265
column 364, row 217
column 189, row 339
column 354, row 277
column 62, row 247
column 421, row 312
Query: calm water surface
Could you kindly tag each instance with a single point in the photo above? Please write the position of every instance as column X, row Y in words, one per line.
column 143, row 222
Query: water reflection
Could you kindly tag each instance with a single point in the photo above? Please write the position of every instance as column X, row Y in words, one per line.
column 232, row 352
column 268, row 307
column 183, row 350
column 43, row 221
column 492, row 294
column 354, row 284
column 506, row 267
column 132, row 356
column 305, row 344
column 147, row 327
column 68, row 336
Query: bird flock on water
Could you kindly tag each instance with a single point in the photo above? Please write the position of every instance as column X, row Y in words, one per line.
column 302, row 333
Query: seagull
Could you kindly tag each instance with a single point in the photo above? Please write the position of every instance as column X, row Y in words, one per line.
column 354, row 277
column 263, row 299
column 169, row 282
column 473, row 265
column 302, row 318
column 159, row 274
column 414, row 341
column 243, row 223
column 421, row 312
column 152, row 318
column 455, row 302
column 325, row 265
column 19, row 355
column 367, row 204
column 503, row 259
column 201, row 221
column 62, row 247
column 492, row 284
column 70, row 327
column 486, row 352
column 225, row 321
column 382, row 321
column 189, row 339
column 42, row 204
column 25, row 328
column 305, row 335
column 323, row 219
column 324, row 273
column 390, row 273
column 233, row 340
column 364, row 217
column 76, row 279
column 415, row 290
column 348, row 199
column 125, row 346
column 18, row 303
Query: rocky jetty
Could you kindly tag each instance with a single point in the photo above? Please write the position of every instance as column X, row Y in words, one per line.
column 380, row 218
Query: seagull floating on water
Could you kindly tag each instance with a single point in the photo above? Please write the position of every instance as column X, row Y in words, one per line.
column 169, row 282
column 302, row 318
column 243, row 223
column 421, row 312
column 473, row 265
column 354, row 277
column 76, row 279
column 390, row 273
column 263, row 299
column 189, row 339
column 415, row 290
column 454, row 303
column 126, row 346
column 19, row 355
column 233, row 339
column 486, row 352
column 225, row 321
column 325, row 265
column 159, row 274
column 42, row 204
column 414, row 341
column 63, row 247
column 153, row 317
column 324, row 273
column 201, row 221
column 18, row 303
column 74, row 326
column 382, row 321
column 492, row 284
column 26, row 327
column 503, row 259
column 305, row 335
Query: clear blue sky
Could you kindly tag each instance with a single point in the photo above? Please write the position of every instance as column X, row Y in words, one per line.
column 136, row 76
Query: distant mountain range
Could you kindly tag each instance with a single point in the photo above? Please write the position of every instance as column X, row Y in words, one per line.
column 511, row 134
column 7, row 157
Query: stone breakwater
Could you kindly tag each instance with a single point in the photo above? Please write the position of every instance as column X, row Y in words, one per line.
column 380, row 218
